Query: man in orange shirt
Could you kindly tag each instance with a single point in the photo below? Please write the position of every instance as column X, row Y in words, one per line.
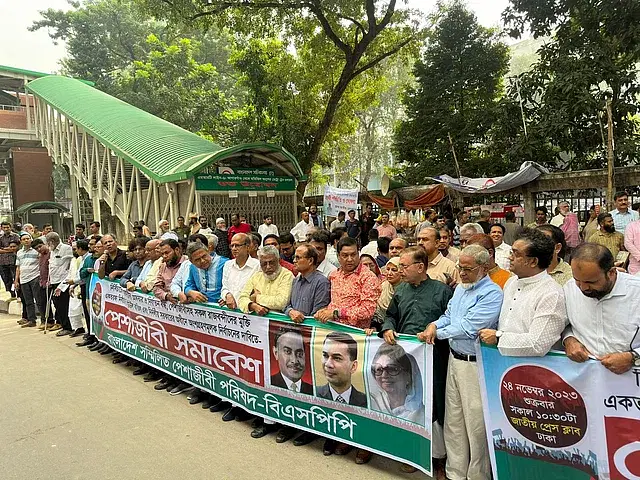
column 497, row 274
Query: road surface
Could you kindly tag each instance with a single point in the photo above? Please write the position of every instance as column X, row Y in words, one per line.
column 67, row 413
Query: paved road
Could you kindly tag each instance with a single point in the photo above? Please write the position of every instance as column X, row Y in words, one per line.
column 67, row 413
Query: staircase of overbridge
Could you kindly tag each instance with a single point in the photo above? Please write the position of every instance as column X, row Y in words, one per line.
column 139, row 165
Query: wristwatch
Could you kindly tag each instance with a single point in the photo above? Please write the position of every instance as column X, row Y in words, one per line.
column 636, row 358
column 498, row 335
column 336, row 314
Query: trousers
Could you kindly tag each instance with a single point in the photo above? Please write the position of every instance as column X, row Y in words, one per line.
column 464, row 431
column 30, row 292
column 61, row 302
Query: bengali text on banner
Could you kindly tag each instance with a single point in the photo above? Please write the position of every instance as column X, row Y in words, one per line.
column 550, row 417
column 329, row 379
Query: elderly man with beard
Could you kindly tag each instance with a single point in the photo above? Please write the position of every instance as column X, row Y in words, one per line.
column 602, row 305
column 266, row 290
column 310, row 293
column 416, row 303
column 475, row 305
column 270, row 288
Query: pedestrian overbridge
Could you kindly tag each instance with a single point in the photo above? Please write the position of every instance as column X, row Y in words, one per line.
column 144, row 168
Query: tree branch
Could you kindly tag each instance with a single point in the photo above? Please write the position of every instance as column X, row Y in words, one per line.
column 382, row 56
column 326, row 26
column 222, row 6
column 354, row 21
column 371, row 15
column 391, row 8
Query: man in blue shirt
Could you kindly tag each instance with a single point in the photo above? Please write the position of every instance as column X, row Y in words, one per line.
column 204, row 281
column 475, row 305
column 622, row 215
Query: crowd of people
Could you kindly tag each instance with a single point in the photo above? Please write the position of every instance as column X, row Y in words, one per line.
column 525, row 290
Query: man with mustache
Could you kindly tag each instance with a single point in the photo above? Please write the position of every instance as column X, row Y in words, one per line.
column 607, row 235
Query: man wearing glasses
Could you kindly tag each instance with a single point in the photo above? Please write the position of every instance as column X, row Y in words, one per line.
column 533, row 313
column 417, row 302
column 475, row 305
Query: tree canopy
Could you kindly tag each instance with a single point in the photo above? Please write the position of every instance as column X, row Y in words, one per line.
column 454, row 101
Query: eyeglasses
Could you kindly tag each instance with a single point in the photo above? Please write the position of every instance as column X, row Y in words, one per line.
column 392, row 370
column 402, row 267
column 298, row 257
column 466, row 269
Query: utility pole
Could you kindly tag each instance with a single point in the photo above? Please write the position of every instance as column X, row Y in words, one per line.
column 610, row 158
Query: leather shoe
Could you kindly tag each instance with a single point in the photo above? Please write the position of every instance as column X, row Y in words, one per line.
column 152, row 376
column 329, row 447
column 286, row 433
column 77, row 332
column 63, row 333
column 196, row 397
column 406, row 468
column 119, row 359
column 230, row 414
column 304, row 439
column 164, row 384
column 141, row 370
column 363, row 456
column 342, row 448
column 105, row 350
column 263, row 430
column 85, row 343
column 221, row 407
column 95, row 346
column 242, row 415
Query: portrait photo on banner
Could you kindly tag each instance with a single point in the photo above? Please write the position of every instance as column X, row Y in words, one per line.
column 338, row 360
column 394, row 375
column 290, row 357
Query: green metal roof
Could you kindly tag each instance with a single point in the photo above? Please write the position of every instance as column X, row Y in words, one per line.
column 25, row 207
column 162, row 150
column 31, row 73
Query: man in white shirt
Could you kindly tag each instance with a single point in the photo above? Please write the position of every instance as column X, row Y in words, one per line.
column 563, row 209
column 150, row 270
column 603, row 306
column 503, row 250
column 339, row 222
column 59, row 263
column 320, row 240
column 533, row 313
column 300, row 230
column 268, row 228
column 371, row 248
column 236, row 272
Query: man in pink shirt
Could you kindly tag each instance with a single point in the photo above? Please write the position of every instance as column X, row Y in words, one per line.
column 385, row 229
column 632, row 244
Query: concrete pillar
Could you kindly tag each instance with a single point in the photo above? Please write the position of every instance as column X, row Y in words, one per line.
column 529, row 198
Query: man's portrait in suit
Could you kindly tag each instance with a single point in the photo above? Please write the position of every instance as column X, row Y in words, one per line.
column 339, row 363
column 288, row 350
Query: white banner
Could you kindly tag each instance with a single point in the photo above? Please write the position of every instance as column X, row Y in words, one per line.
column 339, row 200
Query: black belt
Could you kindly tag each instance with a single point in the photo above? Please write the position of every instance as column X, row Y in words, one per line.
column 460, row 356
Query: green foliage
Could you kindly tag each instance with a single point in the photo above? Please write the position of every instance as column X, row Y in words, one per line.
column 171, row 84
column 459, row 82
column 306, row 91
column 591, row 58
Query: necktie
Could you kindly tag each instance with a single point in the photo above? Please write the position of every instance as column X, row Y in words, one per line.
column 340, row 399
column 294, row 387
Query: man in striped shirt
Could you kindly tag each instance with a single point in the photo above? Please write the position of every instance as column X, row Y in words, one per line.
column 28, row 277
